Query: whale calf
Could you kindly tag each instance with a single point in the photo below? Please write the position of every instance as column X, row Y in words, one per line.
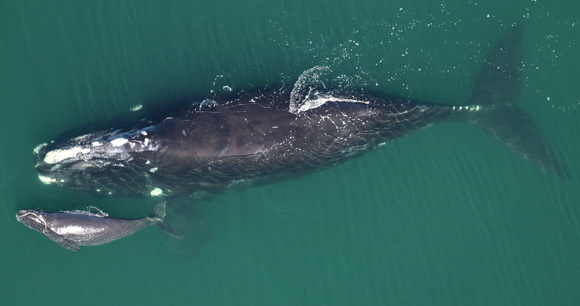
column 260, row 136
column 73, row 228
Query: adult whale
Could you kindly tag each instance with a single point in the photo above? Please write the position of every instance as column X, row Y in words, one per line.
column 260, row 136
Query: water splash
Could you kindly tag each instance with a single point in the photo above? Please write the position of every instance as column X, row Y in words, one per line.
column 302, row 91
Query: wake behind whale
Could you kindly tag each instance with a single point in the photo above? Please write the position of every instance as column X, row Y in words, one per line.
column 262, row 136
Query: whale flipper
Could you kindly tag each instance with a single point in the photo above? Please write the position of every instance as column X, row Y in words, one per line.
column 63, row 242
column 499, row 85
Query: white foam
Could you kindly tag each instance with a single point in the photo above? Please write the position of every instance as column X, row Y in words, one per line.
column 314, row 103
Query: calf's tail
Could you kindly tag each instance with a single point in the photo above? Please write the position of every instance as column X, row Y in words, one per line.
column 157, row 217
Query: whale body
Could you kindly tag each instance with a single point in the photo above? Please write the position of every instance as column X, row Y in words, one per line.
column 256, row 136
column 73, row 228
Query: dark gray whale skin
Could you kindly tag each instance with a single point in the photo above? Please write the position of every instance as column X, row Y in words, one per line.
column 73, row 228
column 251, row 138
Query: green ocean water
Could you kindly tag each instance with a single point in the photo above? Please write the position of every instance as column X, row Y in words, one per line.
column 445, row 216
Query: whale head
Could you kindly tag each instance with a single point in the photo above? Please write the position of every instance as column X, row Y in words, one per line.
column 34, row 219
column 97, row 163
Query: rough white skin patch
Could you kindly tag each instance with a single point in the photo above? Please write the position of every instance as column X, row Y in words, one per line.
column 46, row 180
column 152, row 170
column 118, row 142
column 56, row 156
column 156, row 192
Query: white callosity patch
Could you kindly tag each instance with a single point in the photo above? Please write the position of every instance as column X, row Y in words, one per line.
column 86, row 152
column 46, row 180
column 38, row 147
column 109, row 150
column 107, row 147
column 118, row 142
column 136, row 108
column 156, row 192
column 58, row 155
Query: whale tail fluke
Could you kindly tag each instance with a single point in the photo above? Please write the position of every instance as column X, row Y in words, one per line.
column 157, row 217
column 498, row 86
